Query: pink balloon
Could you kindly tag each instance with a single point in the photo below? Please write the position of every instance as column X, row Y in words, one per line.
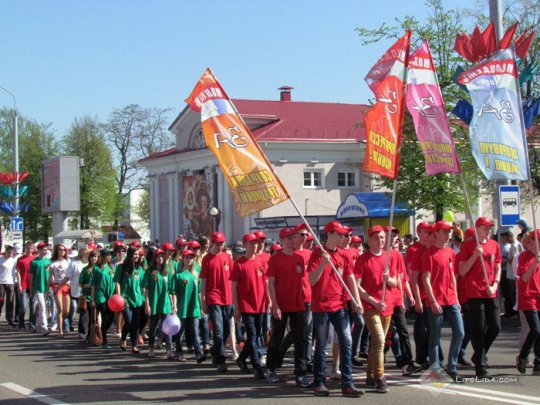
column 116, row 303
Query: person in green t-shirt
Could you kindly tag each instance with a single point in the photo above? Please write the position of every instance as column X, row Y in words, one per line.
column 85, row 282
column 128, row 277
column 39, row 276
column 187, row 305
column 157, row 300
column 102, row 289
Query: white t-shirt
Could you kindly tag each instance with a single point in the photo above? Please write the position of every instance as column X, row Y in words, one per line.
column 7, row 270
column 73, row 273
column 58, row 270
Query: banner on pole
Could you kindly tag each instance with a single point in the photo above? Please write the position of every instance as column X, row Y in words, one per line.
column 383, row 122
column 426, row 105
column 497, row 133
column 250, row 176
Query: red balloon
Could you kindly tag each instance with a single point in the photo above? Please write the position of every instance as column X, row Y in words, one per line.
column 116, row 303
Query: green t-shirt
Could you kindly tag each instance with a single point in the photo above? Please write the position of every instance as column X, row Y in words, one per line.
column 130, row 286
column 186, row 288
column 87, row 274
column 158, row 292
column 103, row 283
column 39, row 271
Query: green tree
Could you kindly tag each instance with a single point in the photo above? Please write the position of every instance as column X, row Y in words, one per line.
column 97, row 185
column 36, row 143
column 443, row 191
column 134, row 132
column 142, row 209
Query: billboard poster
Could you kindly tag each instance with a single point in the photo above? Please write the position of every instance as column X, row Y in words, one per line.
column 50, row 179
column 197, row 199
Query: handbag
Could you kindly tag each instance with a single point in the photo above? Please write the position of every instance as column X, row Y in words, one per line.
column 82, row 305
column 95, row 337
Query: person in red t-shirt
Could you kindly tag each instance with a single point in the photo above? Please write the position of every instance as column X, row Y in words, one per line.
column 264, row 256
column 286, row 279
column 371, row 274
column 413, row 262
column 529, row 301
column 441, row 287
column 398, row 316
column 328, row 305
column 23, row 275
column 216, row 295
column 249, row 298
column 482, row 297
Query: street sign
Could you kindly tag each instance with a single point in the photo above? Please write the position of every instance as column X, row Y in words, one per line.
column 16, row 235
column 509, row 205
column 120, row 235
column 17, row 224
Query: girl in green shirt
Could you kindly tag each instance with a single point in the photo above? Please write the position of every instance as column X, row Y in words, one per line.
column 186, row 304
column 102, row 289
column 85, row 282
column 128, row 277
column 157, row 300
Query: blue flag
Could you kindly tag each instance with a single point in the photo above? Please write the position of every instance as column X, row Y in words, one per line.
column 497, row 130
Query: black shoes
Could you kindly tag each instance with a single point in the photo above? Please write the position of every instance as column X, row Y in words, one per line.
column 351, row 392
column 321, row 391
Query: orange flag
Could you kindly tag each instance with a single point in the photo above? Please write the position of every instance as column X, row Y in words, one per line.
column 251, row 178
column 384, row 120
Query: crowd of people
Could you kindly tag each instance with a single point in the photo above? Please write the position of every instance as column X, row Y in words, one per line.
column 258, row 300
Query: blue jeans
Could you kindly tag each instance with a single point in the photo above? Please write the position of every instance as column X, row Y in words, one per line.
column 205, row 331
column 357, row 326
column 24, row 297
column 155, row 326
column 453, row 315
column 190, row 328
column 253, row 326
column 321, row 322
column 220, row 315
column 132, row 317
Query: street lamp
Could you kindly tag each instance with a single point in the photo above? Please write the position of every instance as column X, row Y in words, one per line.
column 216, row 215
column 15, row 152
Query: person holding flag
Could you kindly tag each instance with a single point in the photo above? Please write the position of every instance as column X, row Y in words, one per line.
column 482, row 285
column 328, row 305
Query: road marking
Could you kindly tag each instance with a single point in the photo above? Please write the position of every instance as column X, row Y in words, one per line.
column 27, row 392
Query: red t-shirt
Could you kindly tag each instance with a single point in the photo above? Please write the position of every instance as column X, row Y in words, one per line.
column 415, row 260
column 328, row 294
column 23, row 265
column 352, row 254
column 370, row 269
column 265, row 256
column 528, row 292
column 216, row 269
column 475, row 281
column 460, row 280
column 400, row 270
column 439, row 264
column 289, row 272
column 251, row 288
column 306, row 254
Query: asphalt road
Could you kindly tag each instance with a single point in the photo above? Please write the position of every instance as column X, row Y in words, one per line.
column 36, row 369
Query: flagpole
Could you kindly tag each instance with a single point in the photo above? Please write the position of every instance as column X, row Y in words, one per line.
column 292, row 200
column 472, row 221
column 389, row 239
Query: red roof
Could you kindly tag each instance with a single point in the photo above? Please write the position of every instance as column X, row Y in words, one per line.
column 297, row 121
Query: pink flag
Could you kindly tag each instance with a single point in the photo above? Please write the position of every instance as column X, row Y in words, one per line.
column 426, row 105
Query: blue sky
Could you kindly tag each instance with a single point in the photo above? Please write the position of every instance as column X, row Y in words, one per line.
column 67, row 59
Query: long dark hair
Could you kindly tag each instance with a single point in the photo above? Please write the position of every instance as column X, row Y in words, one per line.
column 128, row 265
column 56, row 252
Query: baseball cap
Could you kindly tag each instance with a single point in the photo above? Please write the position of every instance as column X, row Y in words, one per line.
column 276, row 247
column 300, row 227
column 259, row 234
column 469, row 232
column 249, row 237
column 356, row 239
column 105, row 252
column 335, row 226
column 188, row 252
column 286, row 232
column 387, row 229
column 159, row 251
column 135, row 244
column 193, row 244
column 100, row 245
column 41, row 245
column 179, row 241
column 375, row 229
column 423, row 225
column 442, row 225
column 483, row 221
column 167, row 246
column 218, row 237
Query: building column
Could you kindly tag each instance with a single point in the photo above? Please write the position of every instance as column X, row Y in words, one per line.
column 157, row 216
column 152, row 192
column 176, row 206
column 172, row 213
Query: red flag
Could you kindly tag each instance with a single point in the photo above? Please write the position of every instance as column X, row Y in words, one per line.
column 462, row 45
column 490, row 40
column 478, row 46
column 383, row 122
column 506, row 40
column 523, row 43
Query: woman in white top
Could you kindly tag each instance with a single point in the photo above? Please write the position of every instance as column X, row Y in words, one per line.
column 60, row 285
column 73, row 273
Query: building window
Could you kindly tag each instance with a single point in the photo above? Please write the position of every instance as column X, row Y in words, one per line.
column 198, row 140
column 313, row 178
column 346, row 179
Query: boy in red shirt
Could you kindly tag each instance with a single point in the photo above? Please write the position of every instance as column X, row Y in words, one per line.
column 371, row 274
column 482, row 297
column 23, row 275
column 249, row 299
column 529, row 302
column 441, row 287
column 328, row 305
column 216, row 295
column 286, row 278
